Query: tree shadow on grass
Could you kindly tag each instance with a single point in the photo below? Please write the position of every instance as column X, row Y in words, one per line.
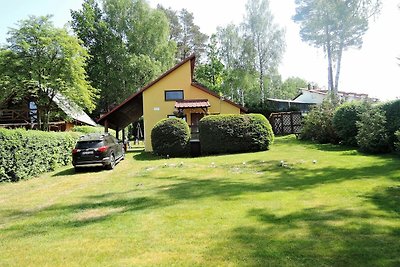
column 72, row 171
column 59, row 217
column 146, row 156
column 387, row 199
column 272, row 177
column 313, row 237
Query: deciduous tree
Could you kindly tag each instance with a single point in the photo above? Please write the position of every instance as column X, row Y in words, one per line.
column 129, row 46
column 267, row 40
column 210, row 73
column 41, row 61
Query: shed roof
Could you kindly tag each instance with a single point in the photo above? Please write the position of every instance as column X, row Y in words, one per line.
column 72, row 109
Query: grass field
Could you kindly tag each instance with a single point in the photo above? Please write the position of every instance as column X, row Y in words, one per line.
column 232, row 210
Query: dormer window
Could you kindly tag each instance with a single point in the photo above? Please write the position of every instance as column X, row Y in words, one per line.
column 173, row 95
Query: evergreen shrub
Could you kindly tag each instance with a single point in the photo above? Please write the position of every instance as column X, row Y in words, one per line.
column 220, row 134
column 171, row 137
column 318, row 124
column 344, row 121
column 372, row 135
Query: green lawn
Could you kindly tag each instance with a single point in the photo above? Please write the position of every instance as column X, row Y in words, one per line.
column 232, row 210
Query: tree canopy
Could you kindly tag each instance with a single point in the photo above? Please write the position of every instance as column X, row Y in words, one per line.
column 267, row 40
column 186, row 34
column 40, row 61
column 129, row 46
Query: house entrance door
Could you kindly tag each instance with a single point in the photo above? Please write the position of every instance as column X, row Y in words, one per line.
column 194, row 123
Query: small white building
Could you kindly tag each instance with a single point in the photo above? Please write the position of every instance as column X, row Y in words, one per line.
column 318, row 95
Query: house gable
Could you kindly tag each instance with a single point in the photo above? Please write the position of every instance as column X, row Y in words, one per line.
column 154, row 106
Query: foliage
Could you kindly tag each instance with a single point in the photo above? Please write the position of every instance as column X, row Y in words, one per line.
column 397, row 143
column 334, row 26
column 290, row 88
column 211, row 73
column 344, row 121
column 91, row 129
column 186, row 34
column 221, row 134
column 240, row 76
column 24, row 154
column 392, row 113
column 372, row 135
column 318, row 124
column 171, row 137
column 41, row 61
column 267, row 40
column 251, row 53
column 127, row 37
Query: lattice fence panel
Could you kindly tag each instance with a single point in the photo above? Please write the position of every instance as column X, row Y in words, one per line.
column 286, row 122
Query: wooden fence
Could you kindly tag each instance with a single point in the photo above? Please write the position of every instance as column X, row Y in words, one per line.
column 286, row 122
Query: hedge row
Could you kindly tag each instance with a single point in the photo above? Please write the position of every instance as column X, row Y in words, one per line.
column 235, row 133
column 370, row 127
column 25, row 154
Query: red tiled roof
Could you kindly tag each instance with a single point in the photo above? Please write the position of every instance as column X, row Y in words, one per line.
column 192, row 103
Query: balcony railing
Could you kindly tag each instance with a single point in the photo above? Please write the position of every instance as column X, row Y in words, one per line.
column 12, row 115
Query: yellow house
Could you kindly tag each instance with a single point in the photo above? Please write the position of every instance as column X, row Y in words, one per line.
column 173, row 93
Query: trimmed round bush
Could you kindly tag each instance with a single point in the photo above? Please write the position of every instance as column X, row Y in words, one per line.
column 344, row 121
column 221, row 134
column 171, row 137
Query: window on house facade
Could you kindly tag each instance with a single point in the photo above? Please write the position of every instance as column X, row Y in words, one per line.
column 172, row 95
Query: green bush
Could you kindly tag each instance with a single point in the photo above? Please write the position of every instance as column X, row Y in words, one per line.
column 25, row 154
column 397, row 143
column 235, row 133
column 344, row 121
column 392, row 113
column 318, row 124
column 171, row 137
column 372, row 135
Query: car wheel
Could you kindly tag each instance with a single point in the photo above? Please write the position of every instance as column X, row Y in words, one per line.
column 112, row 162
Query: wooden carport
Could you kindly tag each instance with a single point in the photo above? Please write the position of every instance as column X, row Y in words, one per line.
column 124, row 114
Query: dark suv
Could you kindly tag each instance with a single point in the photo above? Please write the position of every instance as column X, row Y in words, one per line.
column 97, row 149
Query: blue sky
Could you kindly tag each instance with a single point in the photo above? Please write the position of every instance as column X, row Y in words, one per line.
column 373, row 70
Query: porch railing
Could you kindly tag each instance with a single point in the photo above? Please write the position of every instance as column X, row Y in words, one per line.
column 12, row 115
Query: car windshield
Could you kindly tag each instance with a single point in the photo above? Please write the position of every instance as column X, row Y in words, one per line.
column 89, row 144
